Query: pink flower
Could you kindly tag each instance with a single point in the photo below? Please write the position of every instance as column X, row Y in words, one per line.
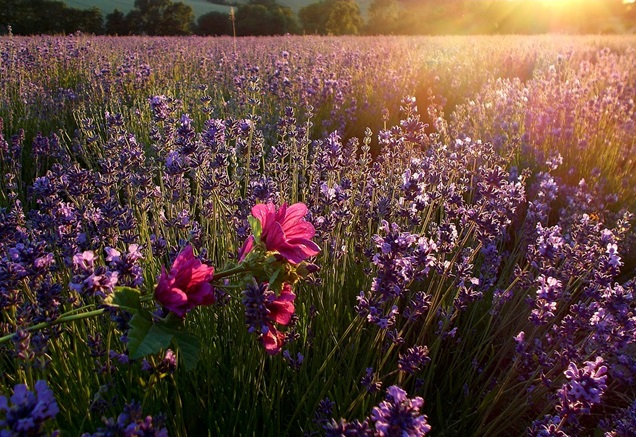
column 263, row 309
column 281, row 311
column 285, row 231
column 186, row 285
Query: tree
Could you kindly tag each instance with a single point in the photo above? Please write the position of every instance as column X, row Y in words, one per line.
column 178, row 19
column 344, row 18
column 116, row 23
column 44, row 17
column 160, row 17
column 336, row 17
column 384, row 17
column 85, row 20
column 313, row 17
column 214, row 23
column 28, row 17
column 285, row 20
column 147, row 16
column 8, row 14
column 265, row 17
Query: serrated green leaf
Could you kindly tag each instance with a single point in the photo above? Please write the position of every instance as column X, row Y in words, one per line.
column 126, row 298
column 146, row 338
column 188, row 346
column 257, row 229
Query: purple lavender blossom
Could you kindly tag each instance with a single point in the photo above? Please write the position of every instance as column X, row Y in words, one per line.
column 370, row 381
column 547, row 298
column 417, row 305
column 293, row 363
column 132, row 423
column 399, row 415
column 585, row 388
column 26, row 412
column 91, row 280
column 414, row 359
column 549, row 426
column 343, row 428
column 621, row 424
column 126, row 265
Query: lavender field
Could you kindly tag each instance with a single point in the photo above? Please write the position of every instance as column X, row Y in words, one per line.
column 304, row 236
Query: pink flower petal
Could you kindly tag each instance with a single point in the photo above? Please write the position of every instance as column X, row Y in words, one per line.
column 273, row 341
column 280, row 214
column 187, row 284
column 173, row 298
column 295, row 214
column 287, row 293
column 300, row 230
column 248, row 245
column 275, row 238
column 282, row 309
column 299, row 251
column 202, row 295
column 260, row 212
column 200, row 273
column 185, row 256
column 293, row 254
column 266, row 214
column 285, row 231
column 308, row 247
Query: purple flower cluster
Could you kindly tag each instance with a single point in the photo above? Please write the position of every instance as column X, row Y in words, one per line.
column 402, row 258
column 89, row 279
column 621, row 424
column 131, row 423
column 370, row 381
column 27, row 412
column 414, row 359
column 396, row 415
column 576, row 398
column 584, row 389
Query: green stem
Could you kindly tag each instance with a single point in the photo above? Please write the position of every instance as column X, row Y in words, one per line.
column 231, row 271
column 62, row 319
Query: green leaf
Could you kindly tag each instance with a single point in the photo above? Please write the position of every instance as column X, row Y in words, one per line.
column 146, row 338
column 273, row 285
column 126, row 298
column 257, row 229
column 188, row 346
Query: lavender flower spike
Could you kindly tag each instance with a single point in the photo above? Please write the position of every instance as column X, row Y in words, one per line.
column 399, row 416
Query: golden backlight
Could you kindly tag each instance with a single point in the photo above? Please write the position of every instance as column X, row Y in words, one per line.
column 568, row 16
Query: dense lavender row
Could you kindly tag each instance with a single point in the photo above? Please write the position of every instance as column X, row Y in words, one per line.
column 503, row 89
column 473, row 276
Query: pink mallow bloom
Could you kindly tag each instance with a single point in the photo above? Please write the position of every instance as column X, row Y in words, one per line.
column 284, row 231
column 281, row 311
column 263, row 309
column 186, row 285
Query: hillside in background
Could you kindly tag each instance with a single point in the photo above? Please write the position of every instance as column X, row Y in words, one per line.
column 200, row 7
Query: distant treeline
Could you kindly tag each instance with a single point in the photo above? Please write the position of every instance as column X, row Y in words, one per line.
column 326, row 17
column 225, row 2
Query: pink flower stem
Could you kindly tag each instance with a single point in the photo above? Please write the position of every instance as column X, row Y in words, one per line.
column 241, row 268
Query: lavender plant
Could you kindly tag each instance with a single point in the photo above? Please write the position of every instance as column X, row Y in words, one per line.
column 456, row 261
